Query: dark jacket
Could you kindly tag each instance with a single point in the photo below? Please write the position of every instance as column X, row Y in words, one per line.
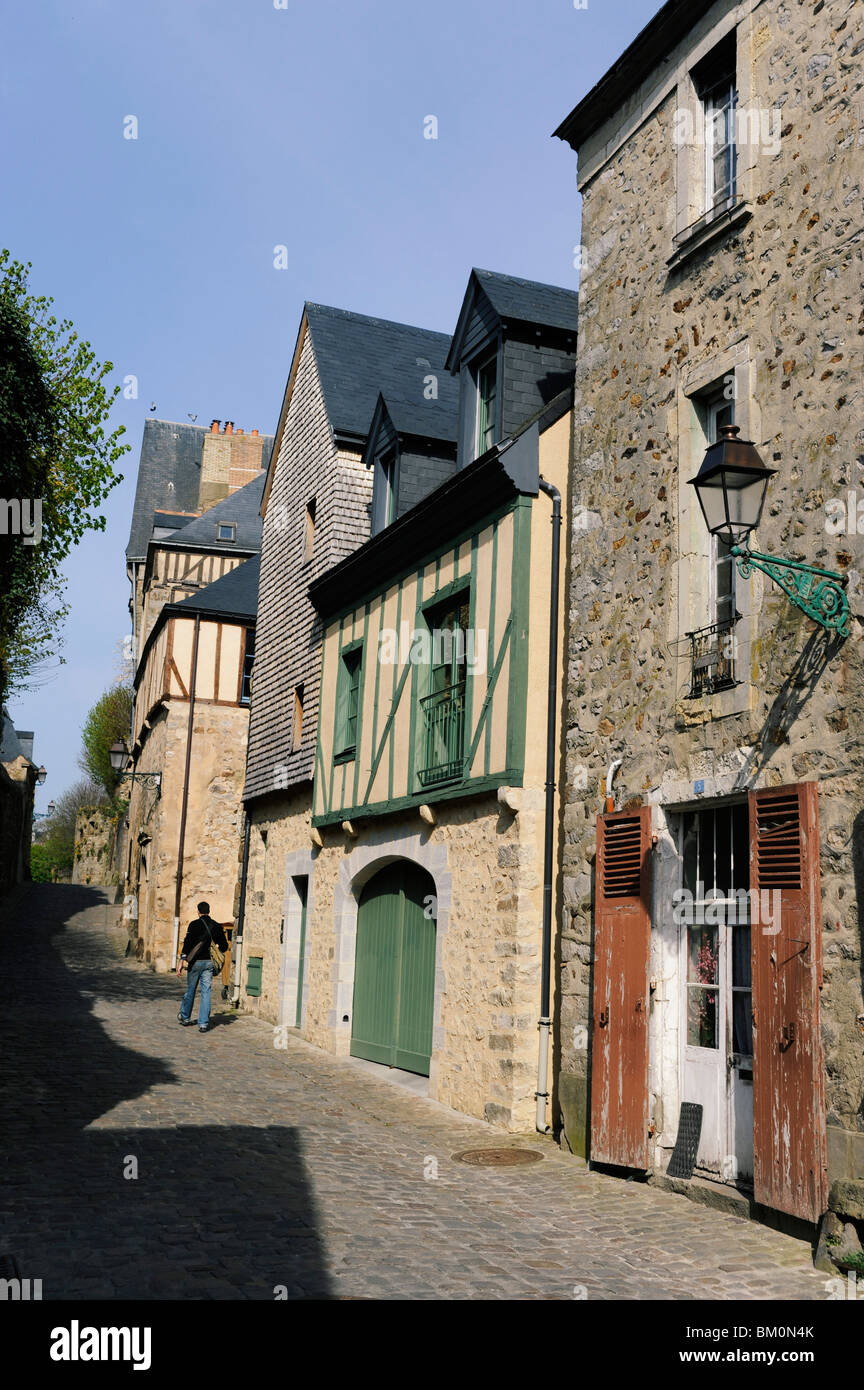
column 196, row 932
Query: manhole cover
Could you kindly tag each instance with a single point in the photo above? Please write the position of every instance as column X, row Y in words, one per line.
column 498, row 1158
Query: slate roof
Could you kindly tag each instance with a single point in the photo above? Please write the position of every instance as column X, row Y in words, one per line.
column 169, row 477
column 530, row 301
column 234, row 595
column 241, row 507
column 173, row 519
column 358, row 357
column 10, row 748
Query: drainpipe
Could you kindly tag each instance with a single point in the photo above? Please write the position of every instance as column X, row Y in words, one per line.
column 542, row 1095
column 185, row 802
column 241, row 918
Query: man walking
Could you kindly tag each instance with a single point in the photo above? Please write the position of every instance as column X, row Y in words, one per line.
column 195, row 955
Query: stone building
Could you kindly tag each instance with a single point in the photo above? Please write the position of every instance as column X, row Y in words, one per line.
column 191, row 716
column 18, row 778
column 399, row 916
column 720, row 164
column 317, row 510
column 183, row 471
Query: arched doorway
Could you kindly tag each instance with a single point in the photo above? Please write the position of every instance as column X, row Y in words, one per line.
column 394, row 969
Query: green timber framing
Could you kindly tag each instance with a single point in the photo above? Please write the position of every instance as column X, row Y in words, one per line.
column 512, row 642
column 444, row 536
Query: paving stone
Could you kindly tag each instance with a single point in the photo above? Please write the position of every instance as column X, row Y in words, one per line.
column 259, row 1169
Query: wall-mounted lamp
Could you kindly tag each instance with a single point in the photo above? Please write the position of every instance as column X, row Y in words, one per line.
column 731, row 487
column 40, row 776
column 118, row 753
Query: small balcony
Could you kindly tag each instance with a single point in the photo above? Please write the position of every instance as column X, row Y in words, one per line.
column 712, row 659
column 443, row 735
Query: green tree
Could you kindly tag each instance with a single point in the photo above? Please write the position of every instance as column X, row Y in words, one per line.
column 56, row 842
column 106, row 722
column 54, row 405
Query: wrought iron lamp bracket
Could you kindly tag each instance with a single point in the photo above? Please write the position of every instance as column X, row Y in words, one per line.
column 149, row 779
column 818, row 593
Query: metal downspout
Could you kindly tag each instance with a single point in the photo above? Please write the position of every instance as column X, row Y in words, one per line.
column 185, row 802
column 241, row 917
column 545, row 1025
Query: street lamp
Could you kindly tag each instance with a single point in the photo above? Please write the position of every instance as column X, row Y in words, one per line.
column 118, row 754
column 40, row 776
column 731, row 487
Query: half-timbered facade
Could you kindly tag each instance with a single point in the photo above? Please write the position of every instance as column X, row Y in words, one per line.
column 317, row 509
column 192, row 690
column 711, row 963
column 410, row 904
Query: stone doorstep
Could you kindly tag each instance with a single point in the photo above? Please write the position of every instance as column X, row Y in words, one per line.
column 718, row 1196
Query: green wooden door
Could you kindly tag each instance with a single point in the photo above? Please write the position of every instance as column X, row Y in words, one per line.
column 394, row 970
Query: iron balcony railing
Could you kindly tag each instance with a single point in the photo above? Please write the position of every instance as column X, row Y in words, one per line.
column 444, row 735
column 712, row 659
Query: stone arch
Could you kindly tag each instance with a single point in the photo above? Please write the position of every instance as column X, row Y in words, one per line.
column 356, row 869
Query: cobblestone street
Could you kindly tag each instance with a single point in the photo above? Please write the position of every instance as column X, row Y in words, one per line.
column 259, row 1168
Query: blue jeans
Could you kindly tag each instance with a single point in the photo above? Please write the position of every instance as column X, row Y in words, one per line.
column 199, row 971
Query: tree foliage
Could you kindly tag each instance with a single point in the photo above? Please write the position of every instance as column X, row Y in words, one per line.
column 54, row 405
column 56, row 841
column 106, row 722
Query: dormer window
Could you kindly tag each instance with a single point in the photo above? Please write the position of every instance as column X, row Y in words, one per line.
column 226, row 530
column 487, row 399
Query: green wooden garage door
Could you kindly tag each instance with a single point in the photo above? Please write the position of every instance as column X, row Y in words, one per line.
column 394, row 970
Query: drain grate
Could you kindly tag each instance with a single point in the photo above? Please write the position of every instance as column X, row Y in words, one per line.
column 498, row 1158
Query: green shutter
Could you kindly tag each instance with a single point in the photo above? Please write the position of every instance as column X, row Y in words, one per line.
column 394, row 970
column 254, row 966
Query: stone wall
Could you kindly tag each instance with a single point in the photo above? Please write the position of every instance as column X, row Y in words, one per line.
column 96, row 832
column 487, row 866
column 773, row 307
column 16, row 821
column 214, row 822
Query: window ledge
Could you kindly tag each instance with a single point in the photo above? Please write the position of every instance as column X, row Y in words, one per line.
column 346, row 756
column 712, row 225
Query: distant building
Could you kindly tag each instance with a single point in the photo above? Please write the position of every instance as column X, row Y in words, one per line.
column 18, row 774
column 192, row 689
column 185, row 470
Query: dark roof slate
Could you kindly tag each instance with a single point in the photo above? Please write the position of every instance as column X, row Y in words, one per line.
column 234, row 595
column 530, row 301
column 241, row 507
column 358, row 357
column 169, row 477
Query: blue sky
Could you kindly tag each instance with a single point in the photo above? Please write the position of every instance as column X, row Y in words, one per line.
column 299, row 126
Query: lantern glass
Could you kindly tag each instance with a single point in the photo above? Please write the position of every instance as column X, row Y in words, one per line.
column 118, row 755
column 731, row 487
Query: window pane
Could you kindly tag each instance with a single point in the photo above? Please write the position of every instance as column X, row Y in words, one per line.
column 702, row 955
column 742, row 1022
column 702, row 1018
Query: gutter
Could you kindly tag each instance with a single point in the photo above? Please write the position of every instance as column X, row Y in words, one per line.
column 241, row 918
column 545, row 1022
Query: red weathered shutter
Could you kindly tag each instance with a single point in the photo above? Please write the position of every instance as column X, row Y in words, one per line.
column 622, row 937
column 789, row 1139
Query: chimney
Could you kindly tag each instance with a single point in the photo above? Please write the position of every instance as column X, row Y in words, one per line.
column 214, row 426
column 239, row 431
column 229, row 426
column 254, row 434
